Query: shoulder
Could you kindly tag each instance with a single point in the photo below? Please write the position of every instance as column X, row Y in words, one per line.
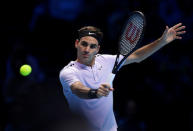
column 68, row 75
column 105, row 56
column 68, row 70
column 107, row 59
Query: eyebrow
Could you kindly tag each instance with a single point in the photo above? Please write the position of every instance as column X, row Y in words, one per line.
column 92, row 45
column 89, row 43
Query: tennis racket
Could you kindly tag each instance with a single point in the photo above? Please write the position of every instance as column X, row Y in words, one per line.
column 129, row 41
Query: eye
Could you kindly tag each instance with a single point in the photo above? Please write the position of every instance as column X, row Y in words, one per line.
column 83, row 43
column 93, row 46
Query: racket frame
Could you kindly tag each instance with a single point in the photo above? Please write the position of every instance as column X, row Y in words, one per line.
column 117, row 65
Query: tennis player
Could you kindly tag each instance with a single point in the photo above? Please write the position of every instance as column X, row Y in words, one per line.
column 84, row 79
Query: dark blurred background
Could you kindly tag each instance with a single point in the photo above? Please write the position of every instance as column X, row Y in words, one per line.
column 155, row 95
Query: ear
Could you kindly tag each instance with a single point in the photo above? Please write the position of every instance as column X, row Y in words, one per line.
column 76, row 43
column 98, row 48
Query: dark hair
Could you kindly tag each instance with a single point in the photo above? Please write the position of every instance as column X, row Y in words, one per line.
column 90, row 31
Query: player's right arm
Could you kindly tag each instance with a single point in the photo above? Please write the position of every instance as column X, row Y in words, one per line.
column 82, row 91
column 70, row 81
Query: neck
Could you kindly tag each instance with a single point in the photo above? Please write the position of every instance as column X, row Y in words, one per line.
column 87, row 63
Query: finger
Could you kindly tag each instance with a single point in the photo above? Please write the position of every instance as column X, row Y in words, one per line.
column 108, row 89
column 178, row 37
column 166, row 30
column 111, row 89
column 180, row 28
column 177, row 25
column 103, row 93
column 100, row 93
column 181, row 32
column 106, row 85
column 167, row 27
column 104, row 90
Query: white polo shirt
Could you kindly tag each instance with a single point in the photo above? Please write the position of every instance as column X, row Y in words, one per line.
column 99, row 112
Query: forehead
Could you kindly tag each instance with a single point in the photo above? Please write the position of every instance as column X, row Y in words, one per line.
column 89, row 39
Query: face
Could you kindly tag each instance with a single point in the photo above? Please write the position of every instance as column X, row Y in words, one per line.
column 87, row 48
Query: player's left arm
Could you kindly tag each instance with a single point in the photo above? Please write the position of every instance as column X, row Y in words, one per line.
column 169, row 35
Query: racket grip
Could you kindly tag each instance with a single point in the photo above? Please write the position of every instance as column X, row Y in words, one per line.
column 110, row 78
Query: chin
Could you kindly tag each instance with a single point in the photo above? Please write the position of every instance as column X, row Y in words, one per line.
column 87, row 61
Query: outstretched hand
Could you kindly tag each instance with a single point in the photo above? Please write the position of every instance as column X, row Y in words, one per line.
column 104, row 90
column 173, row 33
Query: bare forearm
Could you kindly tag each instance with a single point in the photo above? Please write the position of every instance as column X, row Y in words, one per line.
column 147, row 50
column 80, row 90
column 87, row 93
column 169, row 35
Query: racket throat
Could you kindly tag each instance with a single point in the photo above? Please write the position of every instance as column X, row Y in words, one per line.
column 114, row 71
column 118, row 67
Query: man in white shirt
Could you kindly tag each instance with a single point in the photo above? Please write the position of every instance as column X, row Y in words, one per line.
column 84, row 80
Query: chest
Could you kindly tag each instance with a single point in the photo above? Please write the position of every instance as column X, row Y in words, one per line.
column 95, row 75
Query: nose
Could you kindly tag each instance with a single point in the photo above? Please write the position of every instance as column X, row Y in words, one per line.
column 87, row 49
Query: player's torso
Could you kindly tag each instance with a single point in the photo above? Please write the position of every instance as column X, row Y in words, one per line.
column 97, row 111
column 92, row 76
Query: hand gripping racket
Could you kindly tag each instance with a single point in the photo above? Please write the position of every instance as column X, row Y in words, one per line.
column 132, row 33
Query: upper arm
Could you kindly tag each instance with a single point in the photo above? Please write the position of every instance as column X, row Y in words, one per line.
column 67, row 78
column 71, row 83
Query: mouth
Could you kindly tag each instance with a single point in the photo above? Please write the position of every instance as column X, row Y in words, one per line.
column 85, row 55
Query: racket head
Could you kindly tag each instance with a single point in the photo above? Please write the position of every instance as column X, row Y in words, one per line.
column 130, row 38
column 132, row 32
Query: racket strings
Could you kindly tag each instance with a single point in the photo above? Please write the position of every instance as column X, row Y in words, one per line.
column 131, row 35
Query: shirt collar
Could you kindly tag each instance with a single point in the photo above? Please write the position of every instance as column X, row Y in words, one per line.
column 83, row 66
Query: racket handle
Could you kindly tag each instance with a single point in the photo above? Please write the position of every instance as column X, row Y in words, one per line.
column 110, row 79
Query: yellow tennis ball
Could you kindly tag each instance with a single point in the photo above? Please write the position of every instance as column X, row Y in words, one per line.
column 25, row 70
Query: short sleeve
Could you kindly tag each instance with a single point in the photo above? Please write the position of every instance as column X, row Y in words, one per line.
column 67, row 78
